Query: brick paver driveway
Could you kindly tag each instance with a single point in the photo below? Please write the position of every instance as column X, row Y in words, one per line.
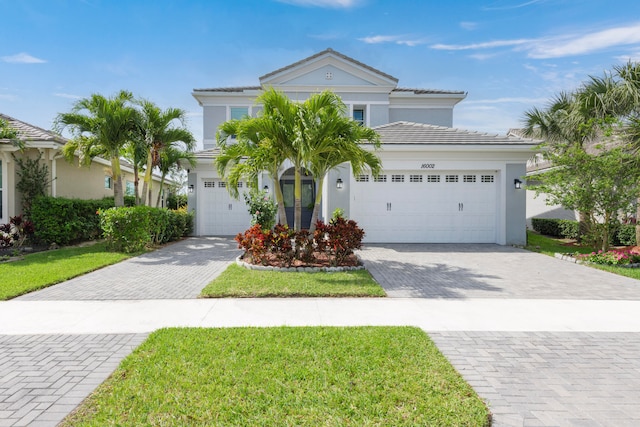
column 527, row 378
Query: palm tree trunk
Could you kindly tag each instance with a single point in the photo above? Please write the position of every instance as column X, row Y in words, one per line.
column 282, row 214
column 118, row 196
column 147, row 181
column 316, row 206
column 297, row 199
column 160, row 191
column 638, row 222
column 136, row 181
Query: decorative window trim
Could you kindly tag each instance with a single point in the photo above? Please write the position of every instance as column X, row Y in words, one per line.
column 209, row 184
column 487, row 178
column 469, row 178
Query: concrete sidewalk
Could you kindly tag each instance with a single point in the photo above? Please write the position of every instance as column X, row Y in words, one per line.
column 542, row 341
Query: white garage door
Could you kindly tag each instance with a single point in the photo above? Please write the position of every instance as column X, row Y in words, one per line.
column 446, row 207
column 218, row 213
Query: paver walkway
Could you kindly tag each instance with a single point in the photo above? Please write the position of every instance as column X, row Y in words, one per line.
column 176, row 271
column 543, row 341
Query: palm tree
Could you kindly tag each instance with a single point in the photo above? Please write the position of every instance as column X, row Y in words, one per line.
column 171, row 159
column 136, row 153
column 158, row 130
column 261, row 144
column 100, row 127
column 566, row 124
column 331, row 138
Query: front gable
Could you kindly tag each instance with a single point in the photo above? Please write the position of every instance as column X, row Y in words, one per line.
column 332, row 69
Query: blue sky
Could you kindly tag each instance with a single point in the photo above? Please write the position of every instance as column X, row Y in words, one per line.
column 508, row 55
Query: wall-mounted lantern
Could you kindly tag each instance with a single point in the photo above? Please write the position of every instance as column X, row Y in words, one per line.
column 517, row 184
column 339, row 183
column 266, row 189
column 191, row 188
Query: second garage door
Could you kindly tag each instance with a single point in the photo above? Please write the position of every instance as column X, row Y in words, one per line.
column 218, row 213
column 446, row 207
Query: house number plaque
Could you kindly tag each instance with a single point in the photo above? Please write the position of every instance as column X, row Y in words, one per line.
column 428, row 166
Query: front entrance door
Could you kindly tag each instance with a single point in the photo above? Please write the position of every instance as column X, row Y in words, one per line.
column 308, row 198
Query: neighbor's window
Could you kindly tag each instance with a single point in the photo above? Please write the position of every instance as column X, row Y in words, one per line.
column 130, row 189
column 107, row 182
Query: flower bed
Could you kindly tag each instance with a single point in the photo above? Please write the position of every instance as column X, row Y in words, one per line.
column 625, row 257
column 330, row 245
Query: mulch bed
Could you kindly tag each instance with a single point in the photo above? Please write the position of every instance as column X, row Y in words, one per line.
column 320, row 260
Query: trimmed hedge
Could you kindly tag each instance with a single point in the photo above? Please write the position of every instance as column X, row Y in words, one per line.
column 564, row 228
column 131, row 229
column 626, row 235
column 63, row 221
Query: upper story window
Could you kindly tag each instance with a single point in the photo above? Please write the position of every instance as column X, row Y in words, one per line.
column 359, row 114
column 236, row 113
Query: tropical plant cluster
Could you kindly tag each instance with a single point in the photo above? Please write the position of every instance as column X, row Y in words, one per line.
column 592, row 140
column 314, row 136
column 121, row 126
column 612, row 257
column 334, row 242
column 16, row 232
column 132, row 229
column 262, row 208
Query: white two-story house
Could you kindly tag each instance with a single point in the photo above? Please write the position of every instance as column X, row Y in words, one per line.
column 439, row 184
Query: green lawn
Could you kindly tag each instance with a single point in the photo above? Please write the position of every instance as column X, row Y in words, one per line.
column 310, row 376
column 240, row 282
column 549, row 246
column 42, row 269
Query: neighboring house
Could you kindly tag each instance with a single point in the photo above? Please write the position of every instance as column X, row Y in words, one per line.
column 66, row 179
column 438, row 184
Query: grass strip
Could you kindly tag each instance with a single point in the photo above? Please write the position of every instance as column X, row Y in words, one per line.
column 550, row 246
column 240, row 282
column 42, row 269
column 307, row 376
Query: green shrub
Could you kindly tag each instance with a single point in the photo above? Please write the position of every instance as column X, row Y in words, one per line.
column 131, row 229
column 626, row 234
column 555, row 227
column 176, row 201
column 63, row 221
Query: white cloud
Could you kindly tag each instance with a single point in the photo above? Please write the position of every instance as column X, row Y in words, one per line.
column 586, row 43
column 633, row 57
column 7, row 97
column 398, row 39
column 331, row 4
column 514, row 6
column 67, row 95
column 559, row 46
column 22, row 58
column 484, row 45
column 469, row 25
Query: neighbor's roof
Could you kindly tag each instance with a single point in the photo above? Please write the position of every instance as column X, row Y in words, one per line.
column 418, row 133
column 229, row 89
column 330, row 52
column 29, row 132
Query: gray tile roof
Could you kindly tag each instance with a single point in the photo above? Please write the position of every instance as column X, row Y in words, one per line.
column 429, row 91
column 418, row 133
column 229, row 89
column 325, row 52
column 29, row 132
